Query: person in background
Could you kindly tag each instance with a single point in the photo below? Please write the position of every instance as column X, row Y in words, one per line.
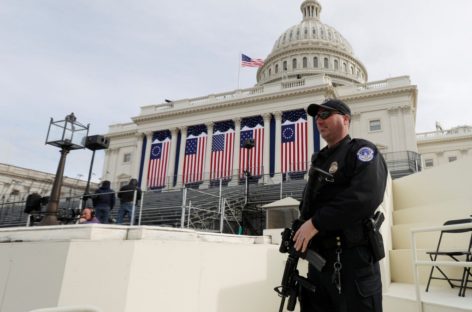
column 126, row 196
column 104, row 201
column 88, row 216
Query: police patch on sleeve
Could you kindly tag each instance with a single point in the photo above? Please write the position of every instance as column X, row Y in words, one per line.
column 365, row 154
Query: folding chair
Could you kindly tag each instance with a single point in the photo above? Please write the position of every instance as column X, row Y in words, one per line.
column 456, row 255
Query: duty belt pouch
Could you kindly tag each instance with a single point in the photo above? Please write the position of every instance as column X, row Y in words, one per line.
column 374, row 236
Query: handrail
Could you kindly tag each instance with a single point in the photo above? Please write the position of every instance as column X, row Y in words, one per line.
column 416, row 262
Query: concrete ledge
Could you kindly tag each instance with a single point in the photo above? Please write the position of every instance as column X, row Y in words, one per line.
column 64, row 233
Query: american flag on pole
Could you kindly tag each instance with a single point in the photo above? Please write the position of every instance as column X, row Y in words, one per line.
column 194, row 159
column 159, row 159
column 294, row 141
column 251, row 159
column 246, row 61
column 222, row 151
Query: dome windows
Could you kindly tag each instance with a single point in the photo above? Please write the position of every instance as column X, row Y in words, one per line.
column 276, row 68
column 315, row 62
column 285, row 65
column 336, row 64
column 305, row 62
column 326, row 62
column 294, row 63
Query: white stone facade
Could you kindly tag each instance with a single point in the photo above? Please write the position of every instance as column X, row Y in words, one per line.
column 444, row 146
column 392, row 102
column 17, row 183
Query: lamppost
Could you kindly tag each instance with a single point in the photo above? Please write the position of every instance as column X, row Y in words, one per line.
column 248, row 145
column 67, row 134
column 93, row 143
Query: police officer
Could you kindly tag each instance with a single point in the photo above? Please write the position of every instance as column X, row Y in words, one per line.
column 335, row 216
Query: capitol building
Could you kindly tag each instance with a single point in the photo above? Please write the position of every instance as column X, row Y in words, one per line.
column 201, row 140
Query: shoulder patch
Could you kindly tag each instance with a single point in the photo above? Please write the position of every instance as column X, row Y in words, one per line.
column 365, row 154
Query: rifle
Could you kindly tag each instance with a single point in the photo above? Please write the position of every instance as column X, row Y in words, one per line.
column 291, row 280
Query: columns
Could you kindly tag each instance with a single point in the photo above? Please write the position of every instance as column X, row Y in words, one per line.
column 182, row 155
column 171, row 162
column 206, row 168
column 237, row 143
column 111, row 169
column 311, row 139
column 278, row 141
column 147, row 153
column 138, row 155
column 266, row 156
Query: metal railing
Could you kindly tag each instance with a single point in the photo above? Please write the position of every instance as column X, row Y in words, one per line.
column 416, row 262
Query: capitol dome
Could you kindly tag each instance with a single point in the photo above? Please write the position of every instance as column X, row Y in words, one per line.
column 312, row 48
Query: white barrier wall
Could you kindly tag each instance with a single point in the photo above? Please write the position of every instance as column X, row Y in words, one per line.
column 147, row 270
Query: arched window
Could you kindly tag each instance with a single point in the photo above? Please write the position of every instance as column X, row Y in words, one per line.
column 298, row 33
column 306, row 32
column 336, row 65
column 285, row 65
column 345, row 67
column 352, row 70
column 315, row 62
column 294, row 63
column 314, row 32
column 305, row 62
column 326, row 64
column 276, row 68
column 270, row 71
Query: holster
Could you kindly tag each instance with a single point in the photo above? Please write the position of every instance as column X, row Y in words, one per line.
column 374, row 237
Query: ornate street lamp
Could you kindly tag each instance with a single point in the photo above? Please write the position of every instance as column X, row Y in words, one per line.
column 67, row 134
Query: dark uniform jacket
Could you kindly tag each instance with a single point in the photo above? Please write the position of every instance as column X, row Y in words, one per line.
column 340, row 207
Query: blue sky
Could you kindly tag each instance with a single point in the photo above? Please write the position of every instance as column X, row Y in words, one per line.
column 103, row 59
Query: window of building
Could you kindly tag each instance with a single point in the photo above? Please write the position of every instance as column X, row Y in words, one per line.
column 336, row 65
column 305, row 62
column 428, row 163
column 127, row 157
column 374, row 125
column 315, row 62
column 314, row 31
column 306, row 33
column 270, row 71
column 452, row 158
column 326, row 65
column 294, row 63
column 352, row 70
column 285, row 65
column 345, row 67
column 276, row 68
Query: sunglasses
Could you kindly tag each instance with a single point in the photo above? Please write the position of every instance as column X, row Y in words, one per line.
column 325, row 114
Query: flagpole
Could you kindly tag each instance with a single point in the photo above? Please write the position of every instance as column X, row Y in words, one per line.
column 239, row 66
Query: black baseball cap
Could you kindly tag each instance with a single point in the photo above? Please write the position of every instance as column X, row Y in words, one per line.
column 329, row 104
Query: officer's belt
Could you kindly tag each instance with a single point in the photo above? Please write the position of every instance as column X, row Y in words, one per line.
column 333, row 242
